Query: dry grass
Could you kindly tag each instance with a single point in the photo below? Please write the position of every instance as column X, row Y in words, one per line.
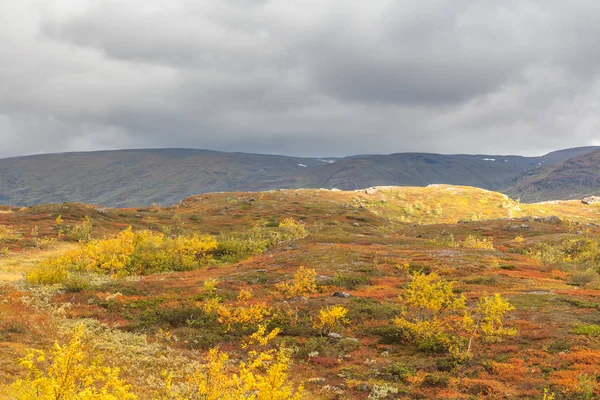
column 15, row 265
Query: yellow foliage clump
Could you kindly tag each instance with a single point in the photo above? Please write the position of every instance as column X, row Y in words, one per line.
column 209, row 285
column 53, row 270
column 435, row 318
column 110, row 255
column 68, row 373
column 518, row 239
column 304, row 283
column 473, row 242
column 263, row 375
column 489, row 314
column 293, row 229
column 6, row 233
column 129, row 253
column 330, row 318
column 243, row 314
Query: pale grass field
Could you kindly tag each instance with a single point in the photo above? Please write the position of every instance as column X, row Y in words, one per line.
column 14, row 266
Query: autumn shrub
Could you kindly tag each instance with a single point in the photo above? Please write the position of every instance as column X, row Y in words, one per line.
column 44, row 243
column 315, row 346
column 304, row 283
column 242, row 315
column 582, row 278
column 577, row 386
column 233, row 248
column 446, row 240
column 581, row 252
column 263, row 374
column 76, row 283
column 581, row 303
column 518, row 239
column 587, row 330
column 68, row 372
column 439, row 320
column 48, row 272
column 397, row 371
column 330, row 318
column 292, row 229
column 129, row 253
column 154, row 252
column 348, row 281
column 319, row 346
column 436, row 379
column 361, row 308
column 473, row 242
column 546, row 253
column 388, row 334
column 559, row 345
column 6, row 233
column 81, row 232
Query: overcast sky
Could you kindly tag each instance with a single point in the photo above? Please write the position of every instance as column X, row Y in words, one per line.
column 299, row 77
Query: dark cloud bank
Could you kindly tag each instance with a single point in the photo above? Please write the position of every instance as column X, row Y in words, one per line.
column 299, row 77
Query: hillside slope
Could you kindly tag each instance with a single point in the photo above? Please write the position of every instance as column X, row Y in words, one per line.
column 136, row 177
column 572, row 179
column 491, row 172
column 141, row 177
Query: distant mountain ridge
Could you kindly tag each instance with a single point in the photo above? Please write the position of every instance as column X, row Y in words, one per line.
column 128, row 178
column 574, row 178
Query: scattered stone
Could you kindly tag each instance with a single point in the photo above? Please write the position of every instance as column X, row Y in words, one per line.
column 356, row 224
column 551, row 220
column 371, row 190
column 591, row 200
column 334, row 335
column 342, row 295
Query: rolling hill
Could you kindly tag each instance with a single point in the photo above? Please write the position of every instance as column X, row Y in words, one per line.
column 128, row 178
column 136, row 177
column 574, row 178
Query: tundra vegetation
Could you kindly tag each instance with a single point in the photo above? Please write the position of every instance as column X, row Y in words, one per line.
column 443, row 292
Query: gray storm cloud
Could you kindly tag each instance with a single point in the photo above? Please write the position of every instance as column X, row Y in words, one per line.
column 299, row 77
